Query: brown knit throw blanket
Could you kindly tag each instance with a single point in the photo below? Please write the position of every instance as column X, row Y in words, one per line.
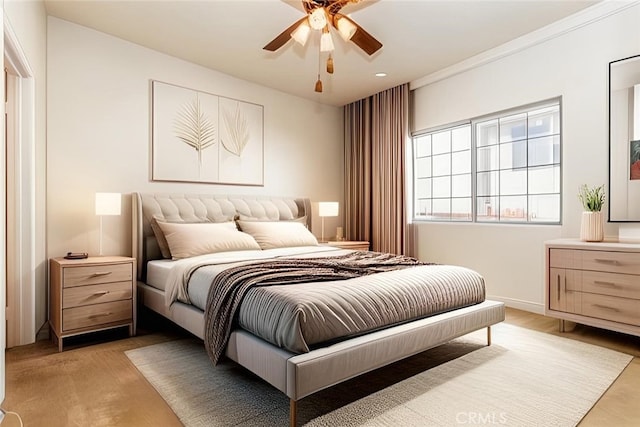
column 230, row 286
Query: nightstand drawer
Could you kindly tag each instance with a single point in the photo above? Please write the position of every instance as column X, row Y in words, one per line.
column 350, row 244
column 97, row 314
column 91, row 275
column 95, row 294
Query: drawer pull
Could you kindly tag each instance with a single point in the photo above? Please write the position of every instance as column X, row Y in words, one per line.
column 100, row 293
column 607, row 284
column 558, row 293
column 95, row 316
column 607, row 261
column 101, row 273
column 605, row 307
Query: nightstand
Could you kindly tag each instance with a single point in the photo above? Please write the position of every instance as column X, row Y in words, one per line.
column 350, row 244
column 92, row 294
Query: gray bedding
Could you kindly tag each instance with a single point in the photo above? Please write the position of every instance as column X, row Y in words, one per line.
column 299, row 317
column 229, row 288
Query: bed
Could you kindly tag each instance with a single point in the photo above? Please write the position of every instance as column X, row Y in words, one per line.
column 296, row 372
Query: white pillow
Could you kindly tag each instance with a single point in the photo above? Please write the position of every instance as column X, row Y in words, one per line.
column 187, row 240
column 278, row 234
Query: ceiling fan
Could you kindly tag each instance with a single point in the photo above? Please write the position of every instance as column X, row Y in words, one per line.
column 321, row 16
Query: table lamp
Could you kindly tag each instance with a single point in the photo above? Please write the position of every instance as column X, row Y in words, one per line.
column 327, row 209
column 107, row 204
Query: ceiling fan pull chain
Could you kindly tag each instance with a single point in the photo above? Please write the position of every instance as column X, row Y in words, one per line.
column 319, row 82
column 321, row 15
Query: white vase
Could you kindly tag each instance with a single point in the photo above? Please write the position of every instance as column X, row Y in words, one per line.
column 592, row 227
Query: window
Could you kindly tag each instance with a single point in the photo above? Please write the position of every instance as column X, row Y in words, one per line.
column 443, row 174
column 507, row 163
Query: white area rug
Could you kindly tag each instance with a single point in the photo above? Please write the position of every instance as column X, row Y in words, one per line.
column 524, row 378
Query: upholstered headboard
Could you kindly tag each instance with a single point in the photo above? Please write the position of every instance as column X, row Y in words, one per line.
column 203, row 207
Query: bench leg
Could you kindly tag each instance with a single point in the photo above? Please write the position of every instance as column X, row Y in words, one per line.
column 488, row 335
column 292, row 413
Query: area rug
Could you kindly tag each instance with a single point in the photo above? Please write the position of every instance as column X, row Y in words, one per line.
column 525, row 378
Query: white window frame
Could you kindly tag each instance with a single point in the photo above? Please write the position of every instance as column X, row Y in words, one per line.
column 474, row 166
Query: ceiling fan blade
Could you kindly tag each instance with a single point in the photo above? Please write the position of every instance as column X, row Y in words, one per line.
column 283, row 37
column 361, row 38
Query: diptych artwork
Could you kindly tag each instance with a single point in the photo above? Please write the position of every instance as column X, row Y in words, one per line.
column 201, row 137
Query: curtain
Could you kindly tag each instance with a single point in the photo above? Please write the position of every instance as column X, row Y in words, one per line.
column 376, row 135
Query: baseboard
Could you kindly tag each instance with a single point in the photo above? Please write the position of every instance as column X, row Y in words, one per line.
column 532, row 307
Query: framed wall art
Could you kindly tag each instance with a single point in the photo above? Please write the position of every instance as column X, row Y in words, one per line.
column 205, row 138
column 634, row 162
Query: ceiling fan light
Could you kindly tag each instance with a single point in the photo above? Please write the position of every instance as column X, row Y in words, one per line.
column 318, row 18
column 301, row 34
column 346, row 28
column 326, row 42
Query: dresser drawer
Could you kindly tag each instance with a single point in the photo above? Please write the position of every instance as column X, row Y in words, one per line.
column 564, row 258
column 96, row 314
column 611, row 308
column 614, row 262
column 614, row 284
column 94, row 274
column 95, row 294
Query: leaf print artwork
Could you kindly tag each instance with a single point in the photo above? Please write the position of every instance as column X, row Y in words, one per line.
column 237, row 130
column 194, row 128
column 200, row 137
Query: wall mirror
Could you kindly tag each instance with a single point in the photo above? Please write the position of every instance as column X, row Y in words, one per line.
column 624, row 140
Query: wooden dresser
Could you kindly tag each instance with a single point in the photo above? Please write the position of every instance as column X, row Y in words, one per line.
column 92, row 294
column 595, row 284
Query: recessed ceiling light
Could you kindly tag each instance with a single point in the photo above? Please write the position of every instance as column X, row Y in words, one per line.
column 381, row 74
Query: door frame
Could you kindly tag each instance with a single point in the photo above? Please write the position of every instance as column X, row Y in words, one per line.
column 21, row 197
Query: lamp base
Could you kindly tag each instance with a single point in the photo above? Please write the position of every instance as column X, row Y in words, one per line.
column 100, row 246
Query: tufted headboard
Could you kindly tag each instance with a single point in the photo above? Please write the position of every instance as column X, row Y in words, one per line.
column 203, row 207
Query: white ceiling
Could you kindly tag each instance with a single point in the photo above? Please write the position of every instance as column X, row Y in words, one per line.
column 419, row 37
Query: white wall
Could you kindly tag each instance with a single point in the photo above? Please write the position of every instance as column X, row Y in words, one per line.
column 574, row 66
column 29, row 23
column 99, row 140
column 3, row 255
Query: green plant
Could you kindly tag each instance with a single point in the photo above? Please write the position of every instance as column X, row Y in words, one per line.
column 635, row 151
column 592, row 198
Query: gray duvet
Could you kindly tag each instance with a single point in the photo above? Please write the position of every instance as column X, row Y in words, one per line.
column 298, row 317
column 301, row 316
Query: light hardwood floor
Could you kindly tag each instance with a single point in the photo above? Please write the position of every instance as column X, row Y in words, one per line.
column 92, row 383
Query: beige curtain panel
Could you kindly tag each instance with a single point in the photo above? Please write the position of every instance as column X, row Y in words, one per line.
column 376, row 135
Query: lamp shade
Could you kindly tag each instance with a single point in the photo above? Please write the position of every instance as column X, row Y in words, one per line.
column 301, row 33
column 326, row 42
column 328, row 209
column 108, row 203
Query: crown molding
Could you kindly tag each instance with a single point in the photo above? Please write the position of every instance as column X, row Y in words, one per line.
column 573, row 22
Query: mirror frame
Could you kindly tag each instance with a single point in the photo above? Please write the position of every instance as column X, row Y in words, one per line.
column 611, row 142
